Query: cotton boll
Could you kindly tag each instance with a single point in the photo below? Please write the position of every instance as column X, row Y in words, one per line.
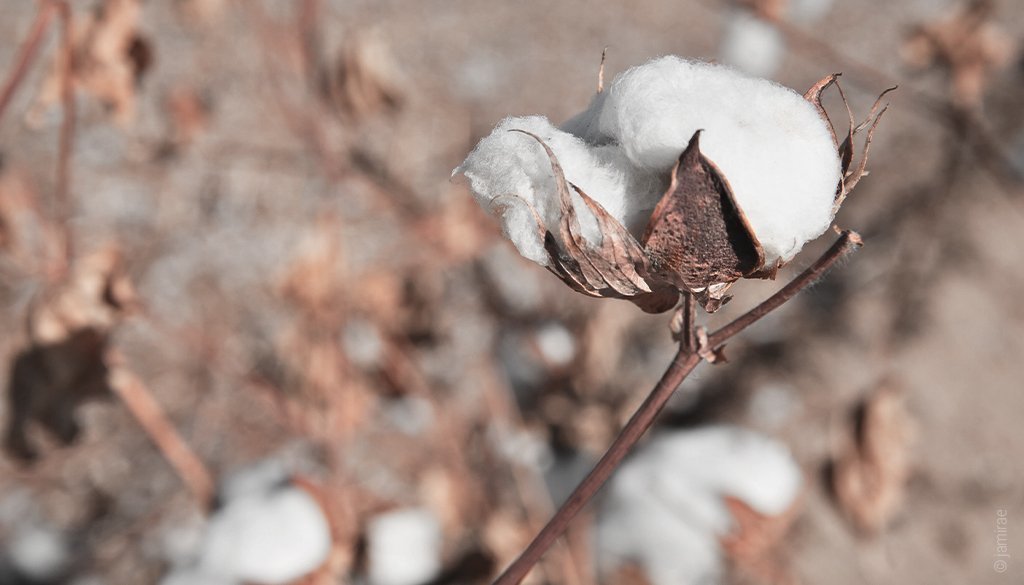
column 725, row 461
column 634, row 527
column 38, row 553
column 507, row 165
column 771, row 144
column 665, row 507
column 404, row 547
column 751, row 44
column 556, row 344
column 271, row 538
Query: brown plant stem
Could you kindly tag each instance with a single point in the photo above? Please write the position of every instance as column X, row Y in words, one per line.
column 26, row 55
column 686, row 359
column 847, row 242
column 147, row 412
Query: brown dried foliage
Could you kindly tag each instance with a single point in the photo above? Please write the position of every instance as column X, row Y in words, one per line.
column 869, row 475
column 968, row 45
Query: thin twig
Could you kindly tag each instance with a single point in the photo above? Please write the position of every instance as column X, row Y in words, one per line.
column 150, row 416
column 62, row 197
column 685, row 360
column 28, row 52
column 847, row 242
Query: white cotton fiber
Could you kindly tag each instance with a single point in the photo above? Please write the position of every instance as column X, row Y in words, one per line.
column 508, row 168
column 404, row 547
column 771, row 144
column 751, row 44
column 807, row 11
column 271, row 537
column 39, row 553
column 664, row 509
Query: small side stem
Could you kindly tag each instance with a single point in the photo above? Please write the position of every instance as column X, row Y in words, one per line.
column 681, row 366
column 26, row 55
column 150, row 416
column 847, row 242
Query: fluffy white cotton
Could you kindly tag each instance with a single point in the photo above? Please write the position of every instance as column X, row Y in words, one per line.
column 39, row 553
column 509, row 168
column 404, row 547
column 770, row 143
column 270, row 537
column 751, row 44
column 556, row 344
column 664, row 508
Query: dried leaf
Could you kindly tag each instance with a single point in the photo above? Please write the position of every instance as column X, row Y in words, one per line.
column 755, row 535
column 869, row 477
column 367, row 79
column 47, row 384
column 698, row 236
column 968, row 44
column 109, row 60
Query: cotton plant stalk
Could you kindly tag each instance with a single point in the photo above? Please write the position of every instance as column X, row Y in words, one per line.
column 678, row 180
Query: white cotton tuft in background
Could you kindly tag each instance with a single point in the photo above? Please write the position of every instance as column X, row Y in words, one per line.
column 664, row 508
column 751, row 44
column 769, row 142
column 38, row 553
column 404, row 547
column 271, row 537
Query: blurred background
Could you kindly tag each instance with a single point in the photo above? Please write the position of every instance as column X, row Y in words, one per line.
column 253, row 332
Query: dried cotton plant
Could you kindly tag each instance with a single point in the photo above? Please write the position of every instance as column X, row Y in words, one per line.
column 679, row 179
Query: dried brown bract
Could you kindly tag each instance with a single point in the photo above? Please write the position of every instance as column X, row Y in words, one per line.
column 109, row 59
column 968, row 44
column 366, row 79
column 869, row 477
column 64, row 364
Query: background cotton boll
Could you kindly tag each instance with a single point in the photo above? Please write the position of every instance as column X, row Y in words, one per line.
column 404, row 547
column 751, row 44
column 38, row 553
column 269, row 538
column 771, row 145
column 672, row 491
column 730, row 461
column 634, row 527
